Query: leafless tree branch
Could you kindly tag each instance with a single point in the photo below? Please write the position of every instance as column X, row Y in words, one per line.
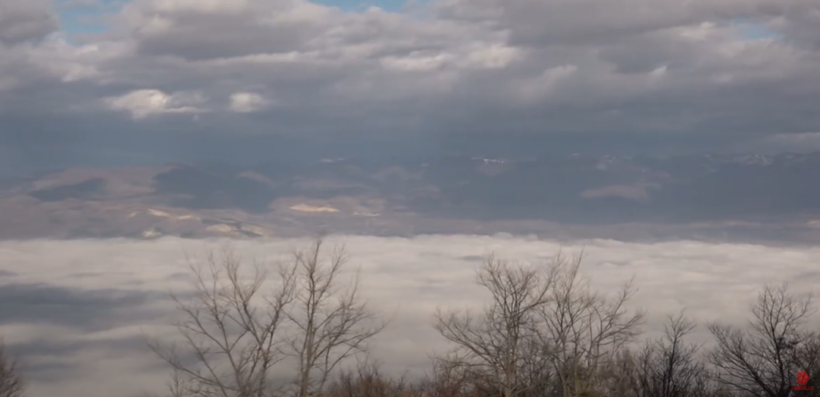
column 762, row 359
column 11, row 381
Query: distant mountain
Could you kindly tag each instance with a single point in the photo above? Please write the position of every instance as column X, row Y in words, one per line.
column 610, row 189
column 465, row 193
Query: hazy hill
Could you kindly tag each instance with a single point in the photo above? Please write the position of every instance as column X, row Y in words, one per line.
column 457, row 193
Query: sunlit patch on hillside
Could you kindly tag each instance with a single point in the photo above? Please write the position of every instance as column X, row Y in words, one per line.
column 312, row 208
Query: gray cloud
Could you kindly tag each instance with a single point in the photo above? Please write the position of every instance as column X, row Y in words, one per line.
column 573, row 75
column 51, row 372
column 24, row 20
column 81, row 309
column 114, row 284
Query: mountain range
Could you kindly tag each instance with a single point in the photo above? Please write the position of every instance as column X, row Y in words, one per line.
column 569, row 196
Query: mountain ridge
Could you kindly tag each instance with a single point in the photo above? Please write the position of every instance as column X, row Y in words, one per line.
column 382, row 196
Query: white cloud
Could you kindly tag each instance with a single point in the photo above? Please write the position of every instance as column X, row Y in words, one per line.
column 543, row 87
column 476, row 56
column 246, row 102
column 149, row 102
column 491, row 56
column 197, row 6
column 407, row 277
column 415, row 62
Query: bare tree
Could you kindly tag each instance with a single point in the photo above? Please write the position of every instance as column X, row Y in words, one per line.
column 763, row 359
column 495, row 345
column 449, row 379
column 583, row 331
column 240, row 323
column 669, row 366
column 807, row 356
column 181, row 385
column 11, row 381
column 230, row 329
column 331, row 323
column 367, row 380
column 618, row 377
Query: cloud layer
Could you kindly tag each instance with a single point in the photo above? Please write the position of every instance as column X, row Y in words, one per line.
column 79, row 310
column 706, row 74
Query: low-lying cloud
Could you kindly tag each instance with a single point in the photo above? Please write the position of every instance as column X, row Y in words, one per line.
column 78, row 311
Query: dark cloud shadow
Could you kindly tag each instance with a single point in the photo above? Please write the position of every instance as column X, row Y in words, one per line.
column 40, row 370
column 83, row 309
column 472, row 258
column 82, row 190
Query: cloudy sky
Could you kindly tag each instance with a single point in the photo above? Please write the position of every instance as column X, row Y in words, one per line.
column 80, row 311
column 136, row 81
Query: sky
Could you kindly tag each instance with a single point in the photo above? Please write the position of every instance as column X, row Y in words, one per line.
column 81, row 311
column 103, row 82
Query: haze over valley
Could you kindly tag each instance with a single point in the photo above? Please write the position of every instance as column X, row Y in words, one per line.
column 421, row 198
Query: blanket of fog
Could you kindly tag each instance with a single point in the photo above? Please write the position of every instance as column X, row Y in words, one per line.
column 79, row 311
